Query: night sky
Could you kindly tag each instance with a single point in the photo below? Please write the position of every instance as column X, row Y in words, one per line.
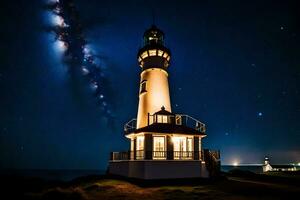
column 235, row 66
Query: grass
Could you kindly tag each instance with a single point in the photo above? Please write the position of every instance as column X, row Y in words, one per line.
column 94, row 187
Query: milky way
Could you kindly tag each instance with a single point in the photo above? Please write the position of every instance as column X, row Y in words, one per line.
column 77, row 54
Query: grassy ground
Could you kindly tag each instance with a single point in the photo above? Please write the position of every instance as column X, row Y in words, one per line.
column 232, row 187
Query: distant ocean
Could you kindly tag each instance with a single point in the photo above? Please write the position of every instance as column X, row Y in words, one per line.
column 51, row 174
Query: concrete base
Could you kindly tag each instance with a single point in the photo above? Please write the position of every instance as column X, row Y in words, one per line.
column 158, row 169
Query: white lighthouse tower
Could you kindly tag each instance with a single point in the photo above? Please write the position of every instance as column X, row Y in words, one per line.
column 163, row 145
column 154, row 60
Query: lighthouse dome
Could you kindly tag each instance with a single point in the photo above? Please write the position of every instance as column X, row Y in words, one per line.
column 153, row 36
column 154, row 54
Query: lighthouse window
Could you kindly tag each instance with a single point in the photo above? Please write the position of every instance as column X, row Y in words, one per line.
column 144, row 54
column 183, row 147
column 165, row 55
column 162, row 119
column 139, row 147
column 200, row 148
column 143, row 86
column 159, row 147
column 160, row 52
column 152, row 52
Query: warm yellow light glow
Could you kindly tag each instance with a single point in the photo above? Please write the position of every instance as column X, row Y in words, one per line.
column 140, row 59
column 183, row 146
column 162, row 119
column 160, row 52
column 298, row 163
column 140, row 143
column 159, row 147
column 168, row 58
column 144, row 54
column 152, row 52
column 165, row 55
column 156, row 96
column 235, row 163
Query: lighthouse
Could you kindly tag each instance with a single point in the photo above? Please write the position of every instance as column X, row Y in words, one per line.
column 163, row 144
column 154, row 59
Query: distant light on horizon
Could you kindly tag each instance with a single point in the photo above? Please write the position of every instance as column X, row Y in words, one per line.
column 298, row 163
column 235, row 163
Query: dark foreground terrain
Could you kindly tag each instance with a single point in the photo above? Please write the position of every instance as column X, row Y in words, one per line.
column 237, row 185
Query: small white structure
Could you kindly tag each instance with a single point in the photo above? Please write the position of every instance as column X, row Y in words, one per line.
column 268, row 167
column 163, row 144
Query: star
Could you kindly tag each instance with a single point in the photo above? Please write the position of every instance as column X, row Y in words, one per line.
column 260, row 114
column 226, row 133
column 281, row 27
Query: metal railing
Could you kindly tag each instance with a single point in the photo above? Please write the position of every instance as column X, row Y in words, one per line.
column 159, row 154
column 177, row 119
column 130, row 126
column 183, row 155
column 120, row 155
column 139, row 155
column 156, row 155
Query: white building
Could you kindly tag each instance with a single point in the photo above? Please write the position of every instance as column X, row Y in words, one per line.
column 163, row 144
column 268, row 167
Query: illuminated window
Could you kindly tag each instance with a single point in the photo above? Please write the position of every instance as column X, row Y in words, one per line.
column 160, row 52
column 165, row 55
column 200, row 149
column 162, row 119
column 144, row 54
column 140, row 143
column 189, row 144
column 143, row 87
column 183, row 147
column 168, row 58
column 151, row 119
column 139, row 147
column 140, row 59
column 152, row 52
column 159, row 147
column 178, row 120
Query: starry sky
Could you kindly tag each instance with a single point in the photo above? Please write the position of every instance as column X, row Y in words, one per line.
column 235, row 66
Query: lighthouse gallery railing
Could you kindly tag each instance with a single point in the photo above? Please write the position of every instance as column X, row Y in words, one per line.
column 178, row 119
